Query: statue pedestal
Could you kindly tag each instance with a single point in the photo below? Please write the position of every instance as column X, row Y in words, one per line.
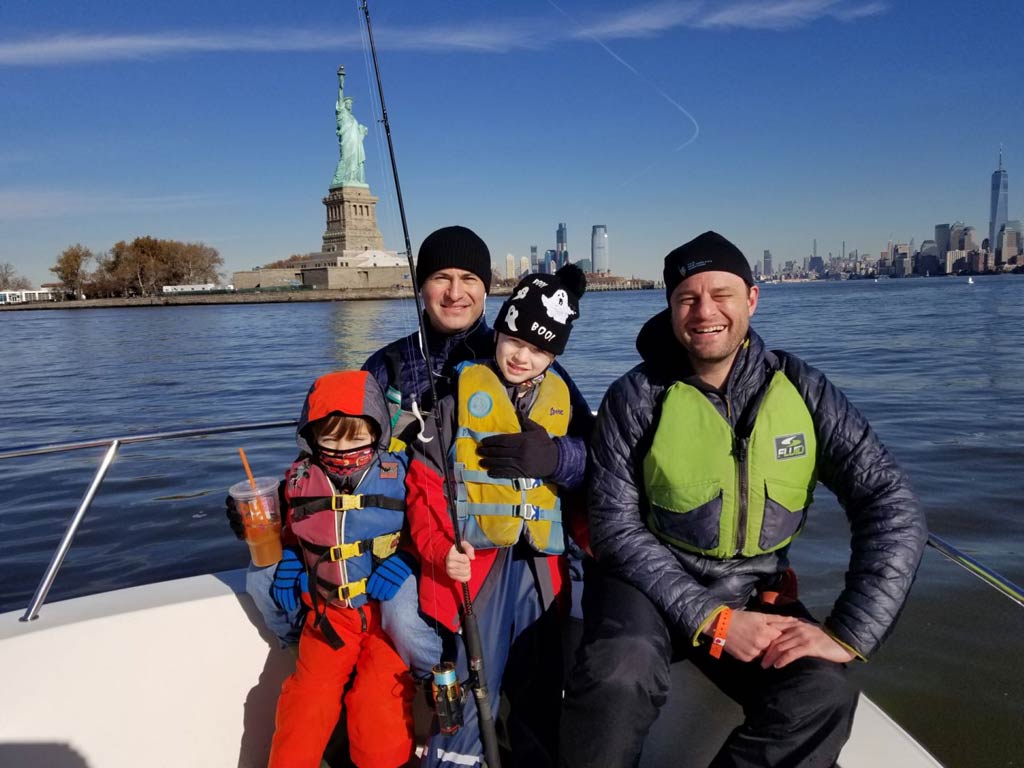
column 351, row 221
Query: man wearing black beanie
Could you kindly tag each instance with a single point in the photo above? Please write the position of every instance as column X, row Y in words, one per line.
column 454, row 248
column 704, row 461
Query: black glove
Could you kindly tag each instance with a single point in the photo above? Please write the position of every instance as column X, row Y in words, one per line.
column 530, row 453
column 234, row 517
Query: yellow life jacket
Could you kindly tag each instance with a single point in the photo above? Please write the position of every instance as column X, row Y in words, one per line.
column 494, row 512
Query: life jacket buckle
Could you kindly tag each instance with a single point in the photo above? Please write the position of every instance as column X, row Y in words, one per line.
column 347, row 551
column 352, row 589
column 526, row 511
column 526, row 483
column 346, row 501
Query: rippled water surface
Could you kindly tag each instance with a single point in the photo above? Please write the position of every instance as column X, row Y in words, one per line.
column 936, row 365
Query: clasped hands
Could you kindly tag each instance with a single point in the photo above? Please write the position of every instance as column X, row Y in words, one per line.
column 779, row 640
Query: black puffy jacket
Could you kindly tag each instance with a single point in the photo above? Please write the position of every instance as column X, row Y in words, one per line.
column 886, row 521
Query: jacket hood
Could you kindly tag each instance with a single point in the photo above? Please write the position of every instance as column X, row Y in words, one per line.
column 664, row 355
column 352, row 393
column 660, row 349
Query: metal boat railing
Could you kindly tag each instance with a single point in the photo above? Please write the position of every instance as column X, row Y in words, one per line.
column 113, row 445
column 993, row 579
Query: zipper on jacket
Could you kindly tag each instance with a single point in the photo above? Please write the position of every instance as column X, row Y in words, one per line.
column 740, row 445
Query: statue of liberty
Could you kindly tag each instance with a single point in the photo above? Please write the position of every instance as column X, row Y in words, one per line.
column 350, row 171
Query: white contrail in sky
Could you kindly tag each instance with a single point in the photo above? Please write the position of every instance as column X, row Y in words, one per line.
column 589, row 34
column 500, row 36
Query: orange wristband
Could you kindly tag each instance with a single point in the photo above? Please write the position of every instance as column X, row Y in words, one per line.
column 721, row 631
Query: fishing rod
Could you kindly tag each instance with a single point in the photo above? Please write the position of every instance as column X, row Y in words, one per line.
column 470, row 628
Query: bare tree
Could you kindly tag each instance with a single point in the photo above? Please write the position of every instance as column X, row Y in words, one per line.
column 11, row 281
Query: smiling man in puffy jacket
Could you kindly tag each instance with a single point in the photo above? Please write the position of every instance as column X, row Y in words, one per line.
column 705, row 458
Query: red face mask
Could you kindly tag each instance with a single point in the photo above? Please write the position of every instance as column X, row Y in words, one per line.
column 347, row 462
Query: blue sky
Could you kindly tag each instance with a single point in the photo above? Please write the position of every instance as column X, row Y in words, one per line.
column 773, row 122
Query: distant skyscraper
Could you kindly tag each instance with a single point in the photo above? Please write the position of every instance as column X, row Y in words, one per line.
column 942, row 240
column 970, row 240
column 561, row 245
column 510, row 266
column 550, row 265
column 997, row 215
column 599, row 257
column 956, row 236
column 533, row 259
column 524, row 265
column 767, row 270
column 1010, row 238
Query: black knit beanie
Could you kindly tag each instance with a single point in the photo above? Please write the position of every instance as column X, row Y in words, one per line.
column 453, row 248
column 542, row 308
column 709, row 252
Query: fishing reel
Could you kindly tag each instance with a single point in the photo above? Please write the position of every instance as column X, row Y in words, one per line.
column 449, row 697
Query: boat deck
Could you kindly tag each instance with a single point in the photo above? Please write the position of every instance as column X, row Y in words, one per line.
column 185, row 673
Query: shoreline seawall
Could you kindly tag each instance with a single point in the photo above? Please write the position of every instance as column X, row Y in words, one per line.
column 248, row 297
column 274, row 296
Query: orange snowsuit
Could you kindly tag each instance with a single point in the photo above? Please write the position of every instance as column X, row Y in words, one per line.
column 311, row 699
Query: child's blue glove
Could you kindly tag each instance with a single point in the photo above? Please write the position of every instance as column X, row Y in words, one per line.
column 290, row 581
column 386, row 579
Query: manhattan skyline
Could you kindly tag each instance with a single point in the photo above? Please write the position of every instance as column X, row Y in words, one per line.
column 774, row 124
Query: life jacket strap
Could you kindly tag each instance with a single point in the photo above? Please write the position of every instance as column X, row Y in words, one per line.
column 352, row 589
column 348, row 550
column 464, row 475
column 303, row 506
column 345, row 591
column 525, row 511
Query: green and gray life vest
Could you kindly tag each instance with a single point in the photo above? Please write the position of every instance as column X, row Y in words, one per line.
column 724, row 493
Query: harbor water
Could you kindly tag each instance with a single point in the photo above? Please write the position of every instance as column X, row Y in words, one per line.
column 935, row 364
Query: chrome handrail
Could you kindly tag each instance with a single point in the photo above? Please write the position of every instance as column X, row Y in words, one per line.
column 972, row 566
column 113, row 444
column 198, row 432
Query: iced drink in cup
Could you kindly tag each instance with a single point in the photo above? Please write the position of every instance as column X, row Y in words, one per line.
column 257, row 504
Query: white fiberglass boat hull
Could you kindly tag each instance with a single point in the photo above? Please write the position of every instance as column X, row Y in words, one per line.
column 182, row 673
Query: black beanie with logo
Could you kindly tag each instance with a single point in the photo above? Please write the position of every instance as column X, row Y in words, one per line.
column 709, row 252
column 542, row 308
column 453, row 248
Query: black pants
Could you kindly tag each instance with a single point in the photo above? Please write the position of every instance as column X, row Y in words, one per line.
column 799, row 715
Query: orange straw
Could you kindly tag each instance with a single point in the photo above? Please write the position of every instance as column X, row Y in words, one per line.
column 258, row 506
column 248, row 472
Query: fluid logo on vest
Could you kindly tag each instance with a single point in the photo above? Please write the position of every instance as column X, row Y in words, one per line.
column 790, row 446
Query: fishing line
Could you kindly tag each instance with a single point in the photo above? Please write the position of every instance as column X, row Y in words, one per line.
column 474, row 660
column 470, row 627
column 406, row 318
column 639, row 75
column 407, row 307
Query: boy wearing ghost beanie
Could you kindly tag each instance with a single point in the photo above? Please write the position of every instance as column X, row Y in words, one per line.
column 497, row 435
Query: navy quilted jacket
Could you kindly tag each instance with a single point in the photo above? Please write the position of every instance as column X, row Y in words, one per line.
column 886, row 520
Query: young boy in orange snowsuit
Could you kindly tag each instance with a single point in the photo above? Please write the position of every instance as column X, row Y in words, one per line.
column 345, row 503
